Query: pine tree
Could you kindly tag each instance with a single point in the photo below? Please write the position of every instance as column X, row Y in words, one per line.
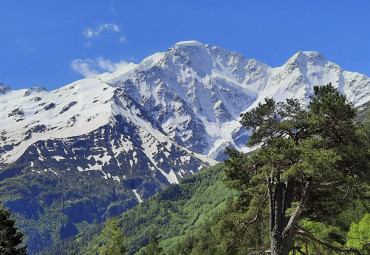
column 153, row 247
column 109, row 242
column 10, row 237
column 116, row 241
column 309, row 164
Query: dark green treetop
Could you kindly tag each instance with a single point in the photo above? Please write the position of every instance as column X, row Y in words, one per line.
column 10, row 237
column 153, row 247
column 109, row 242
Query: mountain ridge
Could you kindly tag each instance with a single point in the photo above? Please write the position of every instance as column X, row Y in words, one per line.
column 171, row 87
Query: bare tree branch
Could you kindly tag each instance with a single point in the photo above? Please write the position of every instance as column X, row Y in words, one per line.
column 297, row 213
column 329, row 185
column 299, row 250
column 259, row 251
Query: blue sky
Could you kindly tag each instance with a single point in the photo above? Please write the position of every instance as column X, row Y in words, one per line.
column 53, row 43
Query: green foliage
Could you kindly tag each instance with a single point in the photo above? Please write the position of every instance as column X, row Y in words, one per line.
column 10, row 237
column 322, row 231
column 109, row 242
column 153, row 247
column 359, row 234
column 229, row 232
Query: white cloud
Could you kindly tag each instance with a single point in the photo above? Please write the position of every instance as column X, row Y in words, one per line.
column 89, row 67
column 84, row 67
column 91, row 32
column 108, row 65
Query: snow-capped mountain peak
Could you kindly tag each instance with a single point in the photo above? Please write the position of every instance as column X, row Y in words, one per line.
column 180, row 106
column 313, row 57
column 3, row 88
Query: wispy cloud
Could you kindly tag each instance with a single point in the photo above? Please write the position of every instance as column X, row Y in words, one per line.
column 89, row 67
column 122, row 39
column 112, row 9
column 92, row 32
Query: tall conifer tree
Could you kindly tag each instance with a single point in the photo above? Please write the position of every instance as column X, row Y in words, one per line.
column 153, row 247
column 310, row 162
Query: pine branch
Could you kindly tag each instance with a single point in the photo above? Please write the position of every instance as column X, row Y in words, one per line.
column 258, row 214
column 330, row 246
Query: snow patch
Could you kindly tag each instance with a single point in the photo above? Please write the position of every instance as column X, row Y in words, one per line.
column 116, row 178
column 58, row 158
column 137, row 196
column 171, row 176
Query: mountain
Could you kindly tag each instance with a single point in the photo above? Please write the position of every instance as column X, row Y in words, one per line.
column 99, row 146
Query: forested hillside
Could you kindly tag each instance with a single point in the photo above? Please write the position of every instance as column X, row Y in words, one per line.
column 175, row 213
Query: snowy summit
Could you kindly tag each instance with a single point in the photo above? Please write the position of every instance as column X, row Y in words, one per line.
column 165, row 117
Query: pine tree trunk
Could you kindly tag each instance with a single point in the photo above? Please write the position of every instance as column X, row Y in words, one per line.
column 280, row 245
column 281, row 196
